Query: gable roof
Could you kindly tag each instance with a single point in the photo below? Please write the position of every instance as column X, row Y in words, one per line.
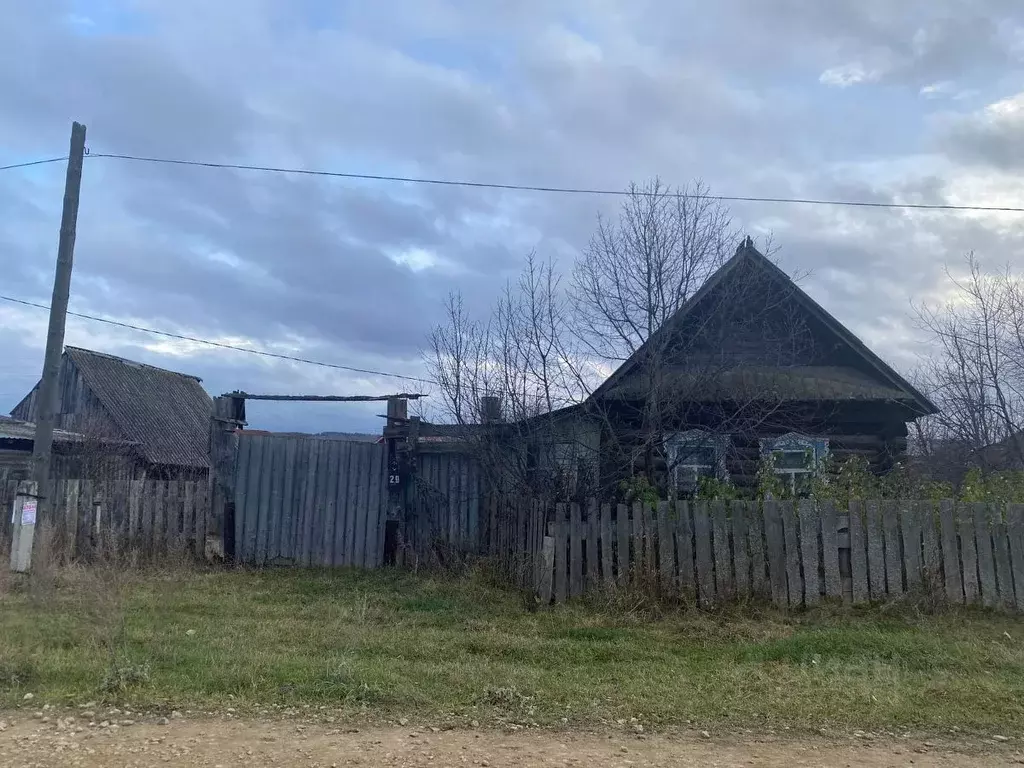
column 748, row 256
column 166, row 413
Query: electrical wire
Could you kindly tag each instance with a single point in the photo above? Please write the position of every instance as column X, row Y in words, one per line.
column 223, row 345
column 30, row 163
column 531, row 187
column 251, row 351
column 561, row 190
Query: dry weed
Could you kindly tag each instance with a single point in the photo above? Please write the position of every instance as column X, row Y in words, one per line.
column 5, row 561
column 45, row 565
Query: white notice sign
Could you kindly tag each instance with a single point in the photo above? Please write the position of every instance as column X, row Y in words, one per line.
column 28, row 512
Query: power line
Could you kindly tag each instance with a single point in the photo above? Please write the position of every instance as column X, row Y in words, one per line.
column 561, row 190
column 222, row 345
column 32, row 162
column 260, row 352
column 533, row 188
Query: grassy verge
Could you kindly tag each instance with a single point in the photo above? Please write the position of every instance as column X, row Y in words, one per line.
column 391, row 644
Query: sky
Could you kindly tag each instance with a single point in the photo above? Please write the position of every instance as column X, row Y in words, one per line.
column 912, row 101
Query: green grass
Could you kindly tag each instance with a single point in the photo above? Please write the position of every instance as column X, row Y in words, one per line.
column 391, row 644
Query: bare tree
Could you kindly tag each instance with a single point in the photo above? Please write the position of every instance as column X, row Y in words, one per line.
column 457, row 358
column 639, row 269
column 977, row 375
column 546, row 347
column 632, row 279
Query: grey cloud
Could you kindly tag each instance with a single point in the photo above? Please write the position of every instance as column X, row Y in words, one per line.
column 502, row 91
column 989, row 137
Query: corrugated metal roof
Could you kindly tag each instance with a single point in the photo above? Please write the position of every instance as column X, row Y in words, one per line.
column 166, row 413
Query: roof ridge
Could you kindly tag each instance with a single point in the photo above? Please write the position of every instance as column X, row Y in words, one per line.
column 108, row 356
column 746, row 251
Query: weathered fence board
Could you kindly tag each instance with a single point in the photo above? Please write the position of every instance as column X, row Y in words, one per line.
column 790, row 526
column 666, row 551
column 607, row 565
column 593, row 531
column 893, row 548
column 1015, row 529
column 910, row 534
column 930, row 550
column 1001, row 542
column 637, row 532
column 755, row 539
column 650, row 543
column 622, row 525
column 986, row 555
column 950, row 553
column 724, row 587
column 740, row 552
column 858, row 554
column 876, row 550
column 968, row 553
column 547, row 560
column 703, row 553
column 561, row 577
column 575, row 551
column 809, row 551
column 830, row 550
column 776, row 552
column 684, row 548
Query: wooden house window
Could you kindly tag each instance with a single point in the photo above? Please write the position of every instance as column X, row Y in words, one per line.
column 796, row 458
column 692, row 456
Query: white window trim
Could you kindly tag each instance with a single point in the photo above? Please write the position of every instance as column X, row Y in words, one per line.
column 792, row 442
column 696, row 438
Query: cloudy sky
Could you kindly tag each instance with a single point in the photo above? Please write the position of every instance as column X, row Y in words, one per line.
column 910, row 101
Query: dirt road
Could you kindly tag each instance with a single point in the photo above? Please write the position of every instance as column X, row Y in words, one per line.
column 32, row 742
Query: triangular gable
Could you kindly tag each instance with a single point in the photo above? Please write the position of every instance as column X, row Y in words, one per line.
column 747, row 255
column 166, row 412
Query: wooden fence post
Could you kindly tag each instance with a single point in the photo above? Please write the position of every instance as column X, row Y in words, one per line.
column 547, row 566
column 228, row 416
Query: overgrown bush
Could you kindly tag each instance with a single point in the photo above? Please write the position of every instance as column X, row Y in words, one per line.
column 842, row 482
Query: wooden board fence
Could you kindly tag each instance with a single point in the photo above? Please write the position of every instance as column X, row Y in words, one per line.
column 122, row 517
column 796, row 554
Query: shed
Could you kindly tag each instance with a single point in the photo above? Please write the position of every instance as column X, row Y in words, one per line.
column 166, row 414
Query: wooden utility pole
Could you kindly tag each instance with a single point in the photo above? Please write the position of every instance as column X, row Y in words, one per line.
column 396, row 432
column 47, row 408
column 227, row 418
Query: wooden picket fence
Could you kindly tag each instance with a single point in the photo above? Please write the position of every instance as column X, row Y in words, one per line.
column 794, row 553
column 119, row 517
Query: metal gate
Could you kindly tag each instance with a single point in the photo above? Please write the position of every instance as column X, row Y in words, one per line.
column 309, row 501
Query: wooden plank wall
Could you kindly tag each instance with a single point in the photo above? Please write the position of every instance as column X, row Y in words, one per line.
column 122, row 517
column 795, row 554
column 309, row 502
